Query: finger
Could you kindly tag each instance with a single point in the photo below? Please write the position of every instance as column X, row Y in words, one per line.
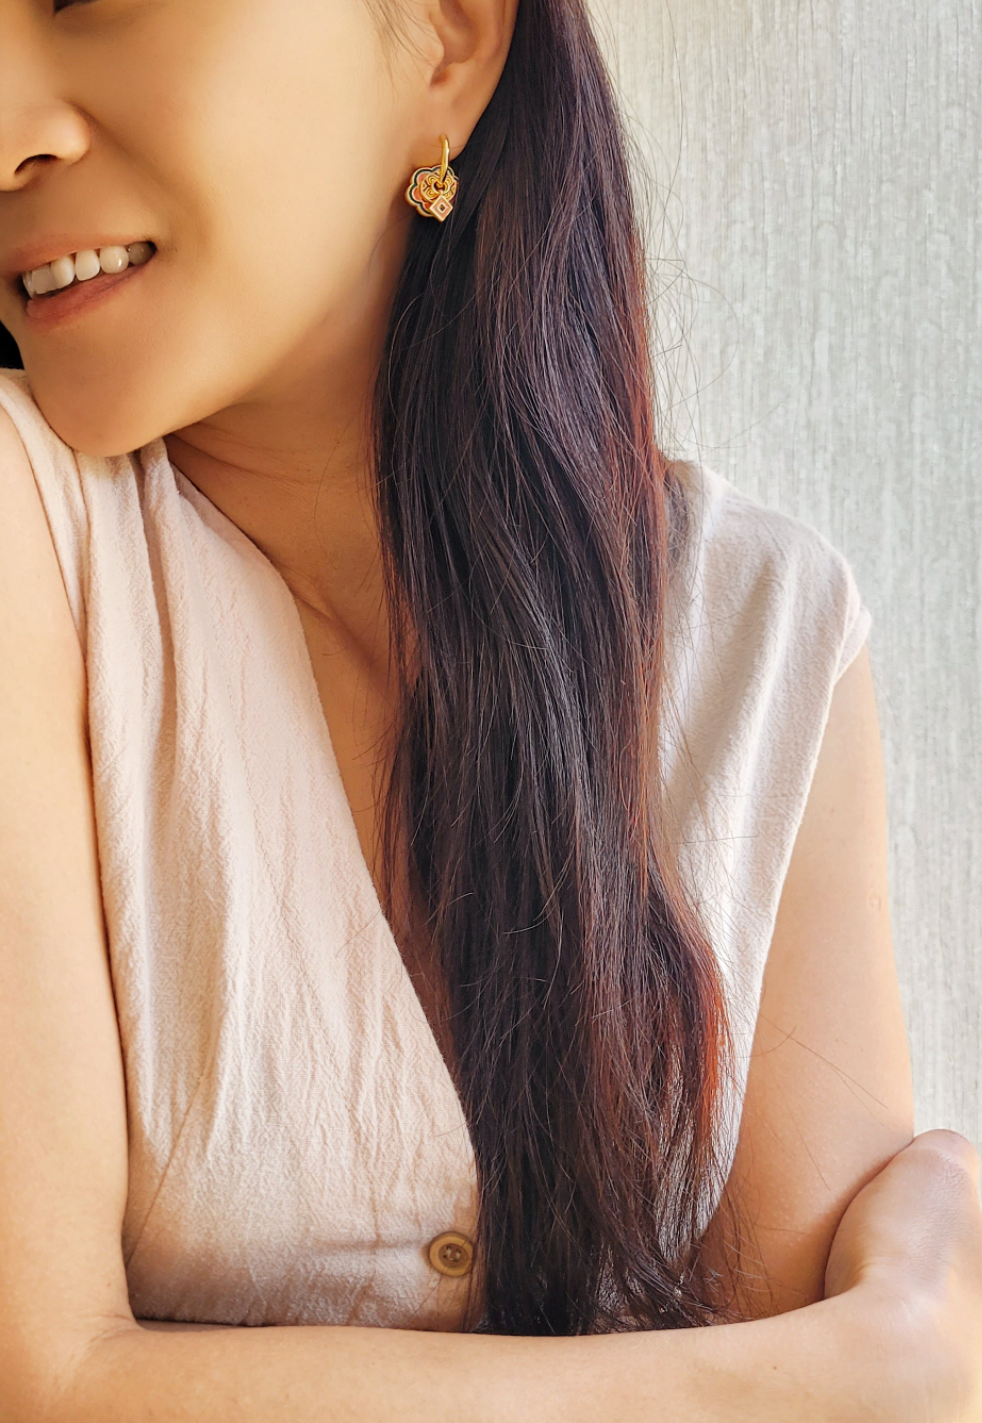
column 953, row 1147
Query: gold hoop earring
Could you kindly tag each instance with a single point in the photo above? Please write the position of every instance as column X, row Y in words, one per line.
column 432, row 190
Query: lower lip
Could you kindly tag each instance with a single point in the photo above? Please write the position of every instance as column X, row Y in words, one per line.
column 44, row 312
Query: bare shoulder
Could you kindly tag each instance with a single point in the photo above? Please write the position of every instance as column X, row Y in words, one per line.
column 829, row 1097
column 62, row 1108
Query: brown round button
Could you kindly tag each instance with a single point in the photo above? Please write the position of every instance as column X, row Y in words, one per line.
column 451, row 1253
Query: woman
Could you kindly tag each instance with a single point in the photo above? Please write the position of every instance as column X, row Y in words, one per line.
column 369, row 714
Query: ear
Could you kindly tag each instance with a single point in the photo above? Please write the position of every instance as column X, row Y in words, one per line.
column 466, row 43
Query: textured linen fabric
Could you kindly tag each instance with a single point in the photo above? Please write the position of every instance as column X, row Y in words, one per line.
column 295, row 1138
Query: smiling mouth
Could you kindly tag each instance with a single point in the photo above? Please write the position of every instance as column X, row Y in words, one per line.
column 77, row 268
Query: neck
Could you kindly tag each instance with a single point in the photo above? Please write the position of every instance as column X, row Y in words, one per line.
column 290, row 463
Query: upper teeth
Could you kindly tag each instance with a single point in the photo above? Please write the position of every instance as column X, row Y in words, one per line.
column 83, row 266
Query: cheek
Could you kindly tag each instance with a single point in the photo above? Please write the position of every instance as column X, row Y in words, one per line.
column 288, row 174
column 289, row 194
column 266, row 171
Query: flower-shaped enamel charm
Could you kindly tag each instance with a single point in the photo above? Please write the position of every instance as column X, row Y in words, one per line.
column 428, row 195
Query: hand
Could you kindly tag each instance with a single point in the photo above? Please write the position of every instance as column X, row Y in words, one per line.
column 910, row 1243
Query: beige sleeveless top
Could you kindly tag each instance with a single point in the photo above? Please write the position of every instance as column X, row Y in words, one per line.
column 295, row 1140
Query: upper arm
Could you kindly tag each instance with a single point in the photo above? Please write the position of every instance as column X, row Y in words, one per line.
column 829, row 1097
column 63, row 1169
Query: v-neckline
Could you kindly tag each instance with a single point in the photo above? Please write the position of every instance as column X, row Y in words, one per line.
column 157, row 450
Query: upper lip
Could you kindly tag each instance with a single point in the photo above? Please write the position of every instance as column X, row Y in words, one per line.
column 32, row 255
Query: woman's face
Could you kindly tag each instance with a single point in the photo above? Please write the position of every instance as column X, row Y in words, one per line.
column 262, row 146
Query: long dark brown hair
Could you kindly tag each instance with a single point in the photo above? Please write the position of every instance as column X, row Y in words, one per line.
column 530, row 527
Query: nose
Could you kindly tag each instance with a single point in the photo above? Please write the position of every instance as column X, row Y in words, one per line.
column 38, row 127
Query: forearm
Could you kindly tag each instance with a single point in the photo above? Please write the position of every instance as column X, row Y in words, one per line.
column 828, row 1363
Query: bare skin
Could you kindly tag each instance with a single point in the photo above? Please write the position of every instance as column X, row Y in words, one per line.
column 251, row 342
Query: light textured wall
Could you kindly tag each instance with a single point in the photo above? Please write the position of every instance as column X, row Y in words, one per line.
column 818, row 174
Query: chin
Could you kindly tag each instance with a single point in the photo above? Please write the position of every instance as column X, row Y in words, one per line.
column 98, row 422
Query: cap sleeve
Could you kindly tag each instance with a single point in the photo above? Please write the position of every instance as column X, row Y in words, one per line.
column 859, row 619
column 770, row 616
column 57, row 475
